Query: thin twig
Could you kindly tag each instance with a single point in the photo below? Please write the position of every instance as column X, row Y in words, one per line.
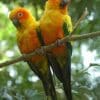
column 85, row 13
column 91, row 65
column 49, row 47
column 94, row 64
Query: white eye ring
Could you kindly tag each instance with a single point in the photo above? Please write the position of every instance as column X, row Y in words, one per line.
column 20, row 14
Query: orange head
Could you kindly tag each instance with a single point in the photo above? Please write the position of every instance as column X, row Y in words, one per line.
column 60, row 3
column 64, row 3
column 21, row 17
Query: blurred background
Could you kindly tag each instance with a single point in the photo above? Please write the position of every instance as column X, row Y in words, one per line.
column 18, row 82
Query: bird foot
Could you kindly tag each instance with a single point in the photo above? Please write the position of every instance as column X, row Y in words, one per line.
column 41, row 51
column 59, row 43
column 24, row 57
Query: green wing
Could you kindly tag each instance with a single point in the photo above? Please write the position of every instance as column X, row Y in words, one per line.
column 67, row 25
column 65, row 29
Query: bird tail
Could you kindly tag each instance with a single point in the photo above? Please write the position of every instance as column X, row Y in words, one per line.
column 67, row 87
column 47, row 82
column 67, row 92
column 67, row 73
column 49, row 88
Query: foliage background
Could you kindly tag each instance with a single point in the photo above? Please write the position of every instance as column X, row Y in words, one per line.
column 18, row 82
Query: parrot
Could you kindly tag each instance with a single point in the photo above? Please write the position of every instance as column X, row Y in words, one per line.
column 28, row 41
column 55, row 24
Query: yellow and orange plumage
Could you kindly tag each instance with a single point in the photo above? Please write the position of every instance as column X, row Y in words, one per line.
column 52, row 22
column 28, row 41
column 56, row 24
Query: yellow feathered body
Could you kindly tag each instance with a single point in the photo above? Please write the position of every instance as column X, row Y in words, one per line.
column 51, row 24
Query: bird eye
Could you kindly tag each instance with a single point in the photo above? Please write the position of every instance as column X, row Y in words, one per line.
column 20, row 14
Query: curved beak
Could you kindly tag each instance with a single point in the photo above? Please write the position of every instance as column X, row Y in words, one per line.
column 64, row 3
column 16, row 22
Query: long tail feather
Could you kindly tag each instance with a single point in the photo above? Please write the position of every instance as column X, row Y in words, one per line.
column 63, row 71
column 67, row 73
column 47, row 82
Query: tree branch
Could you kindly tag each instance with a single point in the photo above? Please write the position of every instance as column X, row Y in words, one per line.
column 94, row 64
column 91, row 65
column 49, row 47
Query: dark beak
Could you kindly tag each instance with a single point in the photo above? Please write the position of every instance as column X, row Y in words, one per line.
column 64, row 3
column 16, row 23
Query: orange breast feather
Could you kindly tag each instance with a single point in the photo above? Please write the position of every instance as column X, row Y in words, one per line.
column 52, row 29
column 28, row 42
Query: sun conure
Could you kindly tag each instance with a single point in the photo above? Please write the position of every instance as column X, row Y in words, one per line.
column 28, row 41
column 56, row 24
